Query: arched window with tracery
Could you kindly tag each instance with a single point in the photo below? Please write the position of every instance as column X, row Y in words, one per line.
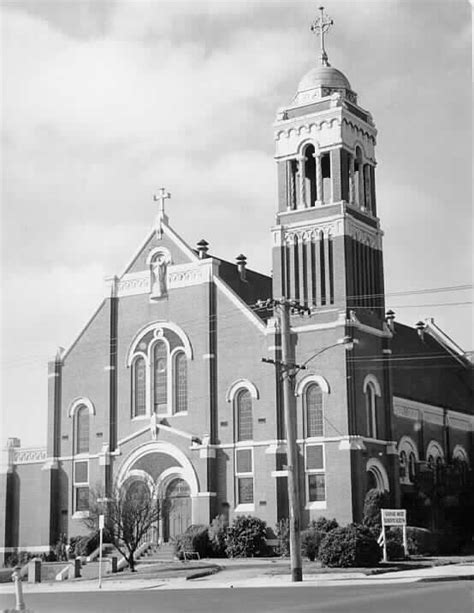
column 313, row 407
column 180, row 382
column 244, row 416
column 160, row 377
column 159, row 360
column 82, row 430
column 139, row 387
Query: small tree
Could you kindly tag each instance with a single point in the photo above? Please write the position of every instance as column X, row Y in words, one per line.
column 129, row 514
column 373, row 502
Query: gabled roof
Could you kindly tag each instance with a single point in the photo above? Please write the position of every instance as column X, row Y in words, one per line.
column 428, row 368
column 255, row 287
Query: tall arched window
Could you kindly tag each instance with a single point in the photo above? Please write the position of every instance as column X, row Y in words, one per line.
column 82, row 430
column 371, row 409
column 313, row 402
column 160, row 377
column 403, row 465
column 180, row 383
column 244, row 418
column 139, row 387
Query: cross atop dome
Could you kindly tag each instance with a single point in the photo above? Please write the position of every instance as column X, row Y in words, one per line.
column 320, row 26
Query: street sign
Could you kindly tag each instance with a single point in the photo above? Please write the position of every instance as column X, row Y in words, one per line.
column 394, row 517
column 101, row 522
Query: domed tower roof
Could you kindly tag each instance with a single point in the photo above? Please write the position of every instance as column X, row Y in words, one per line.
column 323, row 80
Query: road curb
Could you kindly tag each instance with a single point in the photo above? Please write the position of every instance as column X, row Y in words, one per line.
column 203, row 573
column 446, row 578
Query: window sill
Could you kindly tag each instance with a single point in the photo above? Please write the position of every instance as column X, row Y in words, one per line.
column 81, row 515
column 141, row 418
column 180, row 414
column 244, row 508
column 317, row 504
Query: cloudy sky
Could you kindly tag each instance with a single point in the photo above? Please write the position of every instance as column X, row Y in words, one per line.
column 104, row 102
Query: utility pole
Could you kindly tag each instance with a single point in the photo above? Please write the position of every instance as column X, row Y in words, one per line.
column 283, row 308
column 291, row 446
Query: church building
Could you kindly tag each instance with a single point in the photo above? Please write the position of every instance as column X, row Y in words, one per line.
column 175, row 383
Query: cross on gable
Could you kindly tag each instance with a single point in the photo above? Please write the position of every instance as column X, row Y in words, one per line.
column 320, row 26
column 162, row 196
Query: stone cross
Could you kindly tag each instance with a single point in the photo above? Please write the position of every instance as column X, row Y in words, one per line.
column 162, row 196
column 320, row 26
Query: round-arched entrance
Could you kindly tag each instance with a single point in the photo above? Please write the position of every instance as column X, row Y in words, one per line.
column 176, row 508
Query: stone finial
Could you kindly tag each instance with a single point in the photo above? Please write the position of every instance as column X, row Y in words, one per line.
column 241, row 262
column 420, row 328
column 203, row 248
column 390, row 319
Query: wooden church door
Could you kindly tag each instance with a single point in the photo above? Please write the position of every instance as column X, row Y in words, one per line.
column 178, row 509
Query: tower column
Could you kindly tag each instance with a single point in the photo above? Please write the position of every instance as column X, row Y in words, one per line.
column 319, row 178
column 302, row 195
column 351, row 180
column 360, row 187
column 310, row 271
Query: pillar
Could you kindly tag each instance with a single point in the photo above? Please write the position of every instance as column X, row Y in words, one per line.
column 352, row 187
column 361, row 199
column 301, row 181
column 319, row 178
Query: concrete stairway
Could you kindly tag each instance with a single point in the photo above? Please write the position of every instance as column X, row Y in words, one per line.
column 158, row 553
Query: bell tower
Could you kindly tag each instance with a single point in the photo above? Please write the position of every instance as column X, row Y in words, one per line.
column 327, row 241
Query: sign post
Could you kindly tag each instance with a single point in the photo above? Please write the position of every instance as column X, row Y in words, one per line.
column 394, row 517
column 101, row 533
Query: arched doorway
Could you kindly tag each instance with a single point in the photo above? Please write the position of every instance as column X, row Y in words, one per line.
column 177, row 509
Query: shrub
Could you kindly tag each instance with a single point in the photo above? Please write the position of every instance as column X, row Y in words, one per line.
column 420, row 541
column 312, row 537
column 323, row 524
column 217, row 531
column 353, row 545
column 246, row 537
column 83, row 545
column 195, row 540
column 373, row 502
column 282, row 530
column 310, row 542
column 395, row 549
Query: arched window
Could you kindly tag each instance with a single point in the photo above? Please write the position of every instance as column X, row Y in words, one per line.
column 403, row 466
column 160, row 377
column 371, row 410
column 408, row 454
column 244, row 417
column 82, row 430
column 139, row 387
column 180, row 383
column 310, row 176
column 412, row 466
column 159, row 357
column 314, row 419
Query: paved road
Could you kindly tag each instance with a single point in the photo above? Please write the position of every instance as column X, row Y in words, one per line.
column 440, row 597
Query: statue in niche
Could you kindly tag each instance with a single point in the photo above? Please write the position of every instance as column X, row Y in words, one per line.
column 159, row 267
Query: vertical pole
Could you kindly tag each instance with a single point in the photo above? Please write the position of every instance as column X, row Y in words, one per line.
column 405, row 541
column 292, row 460
column 101, row 533
column 20, row 603
column 384, row 539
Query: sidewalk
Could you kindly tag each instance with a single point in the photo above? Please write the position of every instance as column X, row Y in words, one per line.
column 245, row 574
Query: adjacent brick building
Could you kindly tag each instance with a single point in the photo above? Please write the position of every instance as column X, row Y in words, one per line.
column 165, row 387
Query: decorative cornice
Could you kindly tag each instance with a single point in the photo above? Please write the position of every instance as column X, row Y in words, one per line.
column 30, row 455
